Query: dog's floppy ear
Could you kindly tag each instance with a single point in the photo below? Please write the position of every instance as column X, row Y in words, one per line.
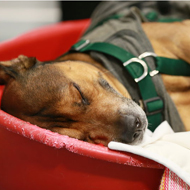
column 15, row 67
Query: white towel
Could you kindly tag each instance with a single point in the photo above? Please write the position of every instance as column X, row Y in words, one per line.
column 165, row 147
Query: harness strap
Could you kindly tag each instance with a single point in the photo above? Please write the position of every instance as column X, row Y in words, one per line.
column 172, row 66
column 138, row 70
column 168, row 66
column 141, row 73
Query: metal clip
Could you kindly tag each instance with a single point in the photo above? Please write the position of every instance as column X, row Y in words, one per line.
column 153, row 73
column 85, row 43
column 143, row 65
column 147, row 54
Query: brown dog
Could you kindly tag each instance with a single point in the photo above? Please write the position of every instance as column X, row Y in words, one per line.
column 59, row 97
column 79, row 98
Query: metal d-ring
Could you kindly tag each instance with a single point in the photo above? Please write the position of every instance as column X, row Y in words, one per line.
column 137, row 60
column 148, row 54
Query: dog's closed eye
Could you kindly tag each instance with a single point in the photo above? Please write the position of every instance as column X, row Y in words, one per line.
column 84, row 99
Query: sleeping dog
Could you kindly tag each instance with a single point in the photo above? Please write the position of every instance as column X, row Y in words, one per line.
column 79, row 96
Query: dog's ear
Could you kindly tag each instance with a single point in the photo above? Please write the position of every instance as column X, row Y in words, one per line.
column 15, row 67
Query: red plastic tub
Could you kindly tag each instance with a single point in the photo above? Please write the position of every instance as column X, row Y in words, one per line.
column 34, row 158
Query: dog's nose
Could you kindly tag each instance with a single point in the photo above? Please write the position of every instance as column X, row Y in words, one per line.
column 133, row 127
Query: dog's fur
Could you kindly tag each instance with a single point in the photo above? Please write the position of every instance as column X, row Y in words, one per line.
column 76, row 96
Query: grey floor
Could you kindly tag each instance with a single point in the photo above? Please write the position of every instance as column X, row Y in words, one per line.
column 18, row 17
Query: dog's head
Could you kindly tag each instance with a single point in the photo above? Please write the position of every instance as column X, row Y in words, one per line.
column 72, row 98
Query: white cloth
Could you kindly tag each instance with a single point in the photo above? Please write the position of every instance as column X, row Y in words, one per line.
column 165, row 147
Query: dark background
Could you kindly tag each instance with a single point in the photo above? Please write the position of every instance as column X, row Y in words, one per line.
column 73, row 10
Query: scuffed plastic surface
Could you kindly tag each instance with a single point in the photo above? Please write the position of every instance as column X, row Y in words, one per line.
column 56, row 140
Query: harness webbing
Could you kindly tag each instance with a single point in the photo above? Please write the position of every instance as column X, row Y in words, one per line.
column 141, row 73
column 172, row 66
column 134, row 70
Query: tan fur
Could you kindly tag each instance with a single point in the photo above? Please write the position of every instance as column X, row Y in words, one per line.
column 45, row 94
column 86, row 58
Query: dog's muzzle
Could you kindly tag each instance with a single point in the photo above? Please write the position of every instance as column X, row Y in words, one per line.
column 133, row 123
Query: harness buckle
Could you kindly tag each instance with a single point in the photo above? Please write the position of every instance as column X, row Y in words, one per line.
column 81, row 44
column 153, row 105
column 148, row 54
column 153, row 73
column 137, row 60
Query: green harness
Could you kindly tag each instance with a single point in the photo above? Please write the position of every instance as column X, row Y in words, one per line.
column 141, row 73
